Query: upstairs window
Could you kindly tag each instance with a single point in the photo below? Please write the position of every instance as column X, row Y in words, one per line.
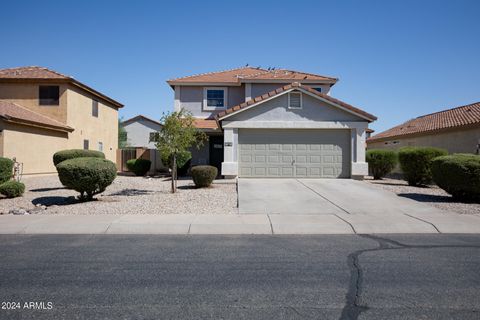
column 295, row 100
column 95, row 108
column 49, row 95
column 153, row 137
column 215, row 98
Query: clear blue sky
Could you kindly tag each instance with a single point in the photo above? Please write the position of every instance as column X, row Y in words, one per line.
column 395, row 59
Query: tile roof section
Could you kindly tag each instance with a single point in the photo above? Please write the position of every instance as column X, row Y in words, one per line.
column 247, row 74
column 294, row 85
column 206, row 124
column 12, row 112
column 41, row 73
column 447, row 119
column 31, row 73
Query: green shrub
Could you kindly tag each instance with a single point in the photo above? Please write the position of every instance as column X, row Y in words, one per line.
column 89, row 176
column 183, row 162
column 459, row 175
column 76, row 153
column 139, row 166
column 203, row 176
column 416, row 162
column 12, row 189
column 381, row 162
column 6, row 169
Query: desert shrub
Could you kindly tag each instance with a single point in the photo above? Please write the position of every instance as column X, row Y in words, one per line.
column 12, row 189
column 203, row 176
column 89, row 176
column 416, row 162
column 459, row 175
column 6, row 169
column 381, row 162
column 76, row 153
column 139, row 166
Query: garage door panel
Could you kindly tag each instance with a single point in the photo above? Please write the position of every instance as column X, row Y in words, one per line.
column 271, row 153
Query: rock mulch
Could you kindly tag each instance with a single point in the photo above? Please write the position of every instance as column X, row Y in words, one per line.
column 127, row 195
column 431, row 195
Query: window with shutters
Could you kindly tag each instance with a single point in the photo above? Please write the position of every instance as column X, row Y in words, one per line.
column 295, row 100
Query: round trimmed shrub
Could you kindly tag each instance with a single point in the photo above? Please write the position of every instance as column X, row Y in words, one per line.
column 381, row 162
column 203, row 176
column 12, row 189
column 139, row 166
column 63, row 155
column 89, row 176
column 416, row 162
column 459, row 175
column 6, row 169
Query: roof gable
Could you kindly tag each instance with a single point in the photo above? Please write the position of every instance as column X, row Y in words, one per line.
column 452, row 118
column 140, row 117
column 288, row 88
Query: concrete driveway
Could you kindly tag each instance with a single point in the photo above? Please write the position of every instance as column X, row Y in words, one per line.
column 320, row 196
column 337, row 205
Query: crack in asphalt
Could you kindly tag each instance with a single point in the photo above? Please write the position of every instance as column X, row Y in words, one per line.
column 353, row 306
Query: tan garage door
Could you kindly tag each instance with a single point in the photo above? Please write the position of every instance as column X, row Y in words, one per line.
column 289, row 153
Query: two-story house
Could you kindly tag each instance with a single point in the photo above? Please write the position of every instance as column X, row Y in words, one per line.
column 274, row 123
column 43, row 111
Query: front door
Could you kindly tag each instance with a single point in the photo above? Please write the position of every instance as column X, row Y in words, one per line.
column 216, row 152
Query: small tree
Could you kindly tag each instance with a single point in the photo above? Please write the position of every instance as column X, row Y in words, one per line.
column 177, row 135
column 122, row 135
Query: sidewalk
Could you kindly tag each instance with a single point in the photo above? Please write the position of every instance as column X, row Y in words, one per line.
column 239, row 224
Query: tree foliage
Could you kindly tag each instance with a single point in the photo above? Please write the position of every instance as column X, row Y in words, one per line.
column 122, row 136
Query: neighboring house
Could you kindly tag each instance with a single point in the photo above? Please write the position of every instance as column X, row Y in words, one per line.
column 457, row 130
column 43, row 111
column 141, row 131
column 274, row 123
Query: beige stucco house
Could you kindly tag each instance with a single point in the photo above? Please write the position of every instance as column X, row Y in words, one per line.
column 456, row 130
column 43, row 111
column 274, row 123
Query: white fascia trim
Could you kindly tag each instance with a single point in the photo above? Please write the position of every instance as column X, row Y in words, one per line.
column 360, row 125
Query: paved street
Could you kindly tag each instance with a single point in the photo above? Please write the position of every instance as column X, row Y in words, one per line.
column 241, row 277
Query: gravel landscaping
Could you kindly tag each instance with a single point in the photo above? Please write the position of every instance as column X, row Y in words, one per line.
column 431, row 195
column 127, row 195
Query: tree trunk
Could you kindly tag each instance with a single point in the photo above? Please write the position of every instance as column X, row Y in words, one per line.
column 174, row 174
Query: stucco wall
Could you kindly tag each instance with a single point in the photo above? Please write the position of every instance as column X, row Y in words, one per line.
column 102, row 129
column 26, row 95
column 261, row 88
column 32, row 146
column 455, row 141
column 138, row 133
column 277, row 110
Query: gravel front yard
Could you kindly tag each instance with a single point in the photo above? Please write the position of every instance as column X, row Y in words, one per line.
column 431, row 195
column 127, row 195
